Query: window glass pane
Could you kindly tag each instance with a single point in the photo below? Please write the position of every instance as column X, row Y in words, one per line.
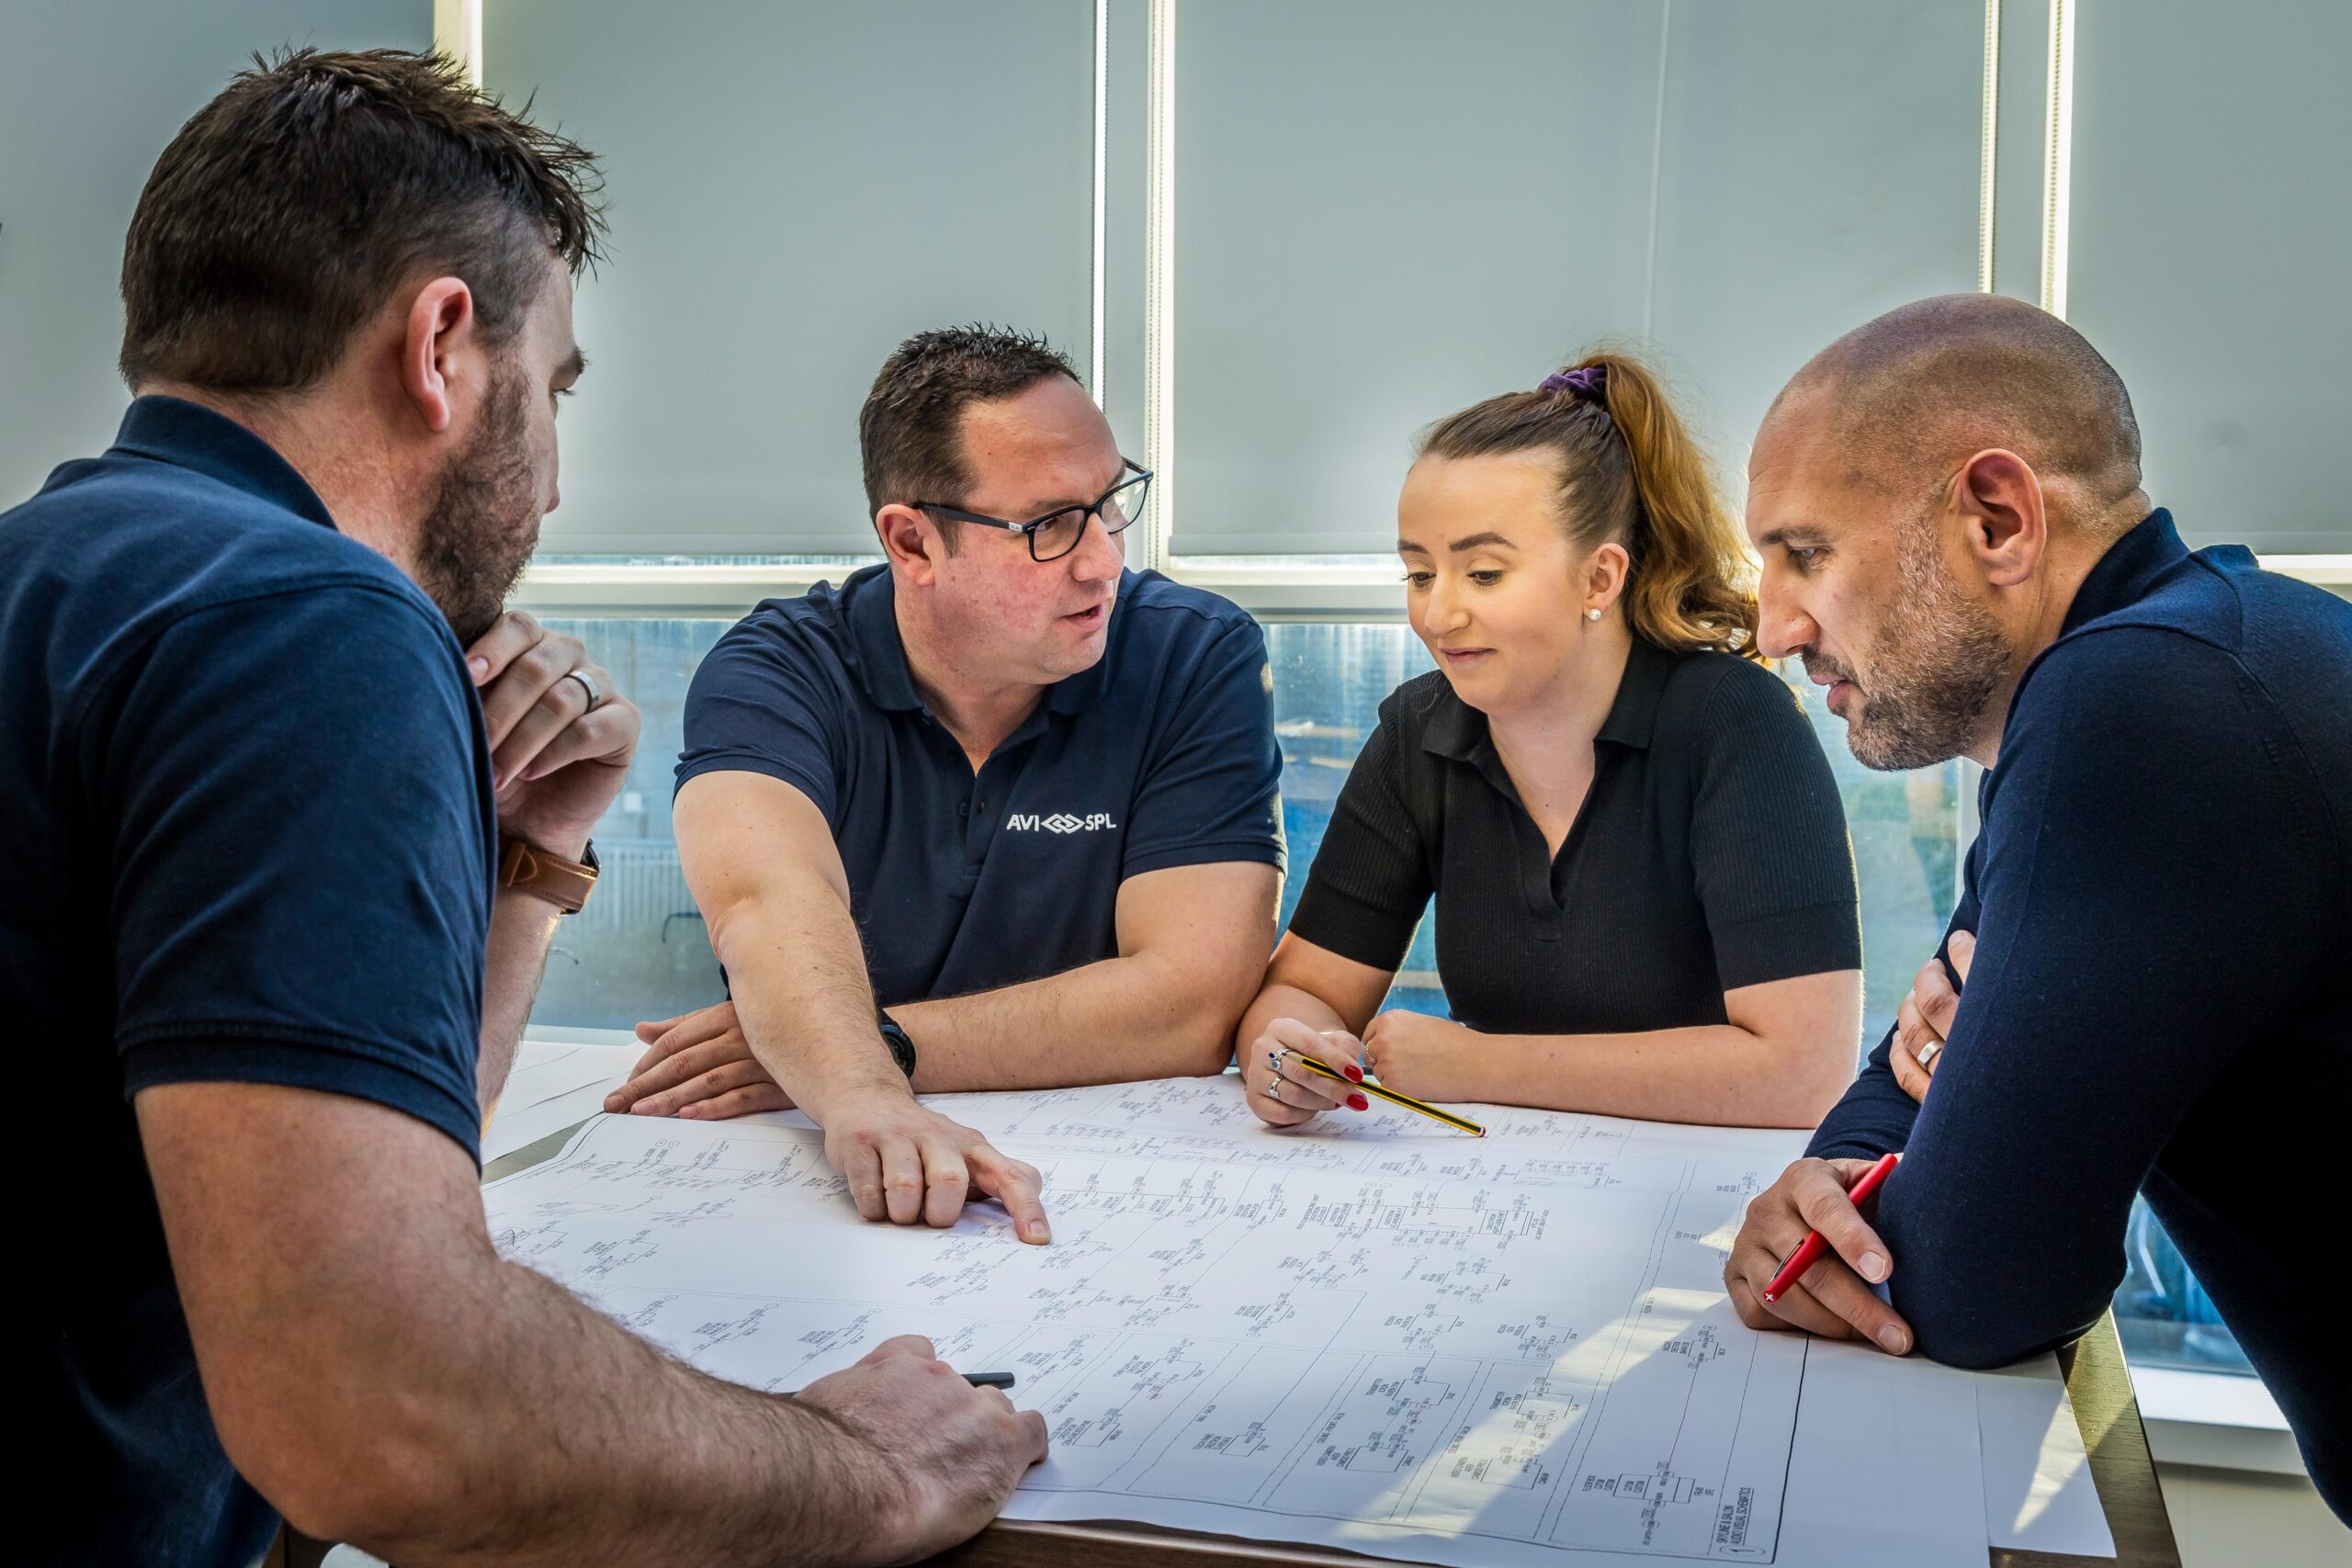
column 639, row 950
column 2162, row 1314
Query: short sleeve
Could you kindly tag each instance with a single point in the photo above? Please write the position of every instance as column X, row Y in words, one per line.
column 1211, row 789
column 298, row 792
column 763, row 703
column 1370, row 884
column 1774, row 868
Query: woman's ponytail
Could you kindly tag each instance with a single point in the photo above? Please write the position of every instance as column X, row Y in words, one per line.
column 1631, row 473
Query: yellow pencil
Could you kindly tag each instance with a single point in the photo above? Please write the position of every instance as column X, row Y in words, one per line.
column 1463, row 1124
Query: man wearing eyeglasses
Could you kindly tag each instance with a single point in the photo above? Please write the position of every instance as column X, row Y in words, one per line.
column 1022, row 798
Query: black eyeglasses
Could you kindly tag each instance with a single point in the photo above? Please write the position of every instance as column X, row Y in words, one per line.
column 1057, row 533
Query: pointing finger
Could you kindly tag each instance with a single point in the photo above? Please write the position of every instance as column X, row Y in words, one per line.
column 1016, row 1186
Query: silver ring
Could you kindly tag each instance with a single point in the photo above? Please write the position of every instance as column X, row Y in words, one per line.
column 595, row 697
column 1274, row 1091
column 1928, row 1053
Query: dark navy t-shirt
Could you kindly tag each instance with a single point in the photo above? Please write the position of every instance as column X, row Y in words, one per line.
column 1161, row 754
column 2161, row 896
column 248, row 836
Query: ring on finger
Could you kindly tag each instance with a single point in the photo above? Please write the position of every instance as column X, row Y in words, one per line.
column 1274, row 1091
column 587, row 684
column 1927, row 1054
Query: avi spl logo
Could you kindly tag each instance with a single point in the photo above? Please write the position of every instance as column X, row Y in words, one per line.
column 1059, row 822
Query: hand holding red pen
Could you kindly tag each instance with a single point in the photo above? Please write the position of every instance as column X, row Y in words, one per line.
column 1831, row 1298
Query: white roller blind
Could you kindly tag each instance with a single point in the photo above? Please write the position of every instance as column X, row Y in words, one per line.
column 2211, row 220
column 1820, row 165
column 793, row 188
column 1385, row 212
column 90, row 92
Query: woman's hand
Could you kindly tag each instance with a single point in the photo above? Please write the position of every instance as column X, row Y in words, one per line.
column 1428, row 1058
column 1282, row 1091
column 1927, row 1016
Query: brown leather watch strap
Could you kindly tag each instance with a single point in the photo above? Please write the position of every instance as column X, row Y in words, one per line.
column 526, row 868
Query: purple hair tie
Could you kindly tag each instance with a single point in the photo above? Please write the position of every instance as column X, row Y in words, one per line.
column 1588, row 383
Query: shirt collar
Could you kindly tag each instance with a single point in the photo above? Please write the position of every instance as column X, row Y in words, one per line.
column 873, row 619
column 189, row 435
column 2129, row 570
column 1458, row 730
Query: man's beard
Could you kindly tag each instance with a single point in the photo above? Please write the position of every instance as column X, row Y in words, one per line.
column 1940, row 657
column 484, row 521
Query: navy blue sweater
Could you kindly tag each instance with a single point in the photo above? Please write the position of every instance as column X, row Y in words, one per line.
column 2156, row 1005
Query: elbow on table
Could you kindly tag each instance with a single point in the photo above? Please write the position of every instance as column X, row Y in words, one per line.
column 349, row 1476
column 1207, row 1046
column 1814, row 1093
column 1949, row 1328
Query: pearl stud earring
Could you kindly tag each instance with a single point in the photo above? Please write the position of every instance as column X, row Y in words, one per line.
column 1592, row 615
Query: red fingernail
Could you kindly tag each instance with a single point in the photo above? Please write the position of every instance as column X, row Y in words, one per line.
column 1358, row 1102
column 1355, row 1074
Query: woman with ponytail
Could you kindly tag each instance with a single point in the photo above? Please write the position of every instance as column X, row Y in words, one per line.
column 1645, row 900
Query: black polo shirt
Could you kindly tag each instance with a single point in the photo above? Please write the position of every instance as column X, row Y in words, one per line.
column 248, row 836
column 1710, row 853
column 2162, row 899
column 1162, row 754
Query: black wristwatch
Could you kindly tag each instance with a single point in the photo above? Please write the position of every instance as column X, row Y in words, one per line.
column 902, row 1048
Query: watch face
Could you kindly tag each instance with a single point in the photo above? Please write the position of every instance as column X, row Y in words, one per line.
column 902, row 1048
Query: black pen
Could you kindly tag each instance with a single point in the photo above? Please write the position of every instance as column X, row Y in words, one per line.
column 978, row 1380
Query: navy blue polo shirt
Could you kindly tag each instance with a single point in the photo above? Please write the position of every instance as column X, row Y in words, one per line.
column 2162, row 899
column 248, row 836
column 1161, row 754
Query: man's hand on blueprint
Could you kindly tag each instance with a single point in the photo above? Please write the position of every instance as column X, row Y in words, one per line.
column 913, row 1166
column 905, row 1164
column 945, row 1455
column 1830, row 1298
column 697, row 1066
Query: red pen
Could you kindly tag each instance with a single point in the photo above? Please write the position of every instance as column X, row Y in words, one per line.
column 1810, row 1249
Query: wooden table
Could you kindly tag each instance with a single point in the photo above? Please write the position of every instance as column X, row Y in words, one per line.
column 2097, row 1383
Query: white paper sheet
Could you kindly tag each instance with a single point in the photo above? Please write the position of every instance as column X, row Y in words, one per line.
column 2037, row 1489
column 1372, row 1334
column 551, row 1088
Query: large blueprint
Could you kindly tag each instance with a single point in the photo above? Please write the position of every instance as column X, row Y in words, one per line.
column 1374, row 1334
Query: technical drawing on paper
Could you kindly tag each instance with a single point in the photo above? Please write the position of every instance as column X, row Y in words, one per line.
column 1512, row 1351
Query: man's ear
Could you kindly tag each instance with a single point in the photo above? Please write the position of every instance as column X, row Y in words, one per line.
column 2003, row 520
column 442, row 335
column 910, row 540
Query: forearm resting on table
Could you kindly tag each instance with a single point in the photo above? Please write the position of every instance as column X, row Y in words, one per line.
column 384, row 1377
column 1781, row 1063
column 801, row 994
column 1114, row 1022
column 760, row 860
column 1192, row 945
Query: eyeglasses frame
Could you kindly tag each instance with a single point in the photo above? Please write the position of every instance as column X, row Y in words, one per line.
column 1131, row 472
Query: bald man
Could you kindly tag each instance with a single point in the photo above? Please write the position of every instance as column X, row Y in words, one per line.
column 2141, row 990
